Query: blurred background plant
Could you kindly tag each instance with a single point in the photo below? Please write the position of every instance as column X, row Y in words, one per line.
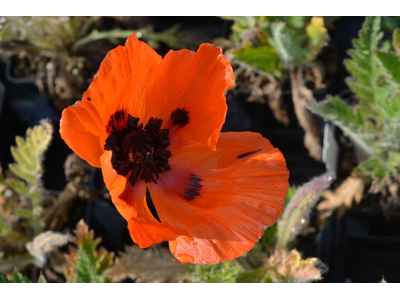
column 62, row 54
column 371, row 118
column 280, row 49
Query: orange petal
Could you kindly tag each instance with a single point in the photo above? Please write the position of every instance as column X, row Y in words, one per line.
column 195, row 82
column 130, row 202
column 83, row 131
column 118, row 85
column 223, row 198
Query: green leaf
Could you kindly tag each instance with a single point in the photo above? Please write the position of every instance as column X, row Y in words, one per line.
column 225, row 272
column 19, row 278
column 287, row 44
column 19, row 186
column 29, row 155
column 42, row 279
column 379, row 170
column 396, row 41
column 263, row 58
column 4, row 279
column 23, row 212
column 255, row 276
column 364, row 66
column 391, row 65
column 86, row 263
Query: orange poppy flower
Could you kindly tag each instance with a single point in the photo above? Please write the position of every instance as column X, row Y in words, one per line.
column 153, row 123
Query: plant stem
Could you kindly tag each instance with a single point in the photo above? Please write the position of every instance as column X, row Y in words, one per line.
column 112, row 34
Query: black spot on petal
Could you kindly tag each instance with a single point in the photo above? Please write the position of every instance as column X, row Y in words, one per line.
column 246, row 154
column 180, row 117
column 194, row 188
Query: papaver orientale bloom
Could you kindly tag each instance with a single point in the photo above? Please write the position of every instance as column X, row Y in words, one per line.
column 154, row 123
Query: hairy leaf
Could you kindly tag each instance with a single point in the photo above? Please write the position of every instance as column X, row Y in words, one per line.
column 155, row 264
column 87, row 262
column 225, row 272
column 296, row 214
column 29, row 155
column 284, row 266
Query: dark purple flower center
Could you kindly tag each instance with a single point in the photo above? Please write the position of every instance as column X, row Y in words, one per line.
column 138, row 152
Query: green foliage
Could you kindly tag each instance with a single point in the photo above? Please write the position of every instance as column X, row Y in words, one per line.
column 16, row 278
column 254, row 276
column 263, row 58
column 374, row 122
column 63, row 36
column 28, row 155
column 87, row 262
column 391, row 65
column 45, row 35
column 396, row 41
column 42, row 279
column 390, row 23
column 270, row 43
column 225, row 272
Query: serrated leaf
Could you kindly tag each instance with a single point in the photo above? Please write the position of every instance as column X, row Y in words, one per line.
column 284, row 266
column 364, row 66
column 391, row 65
column 29, row 152
column 4, row 279
column 286, row 43
column 19, row 278
column 379, row 170
column 23, row 173
column 155, row 264
column 19, row 186
column 225, row 272
column 86, row 263
column 28, row 155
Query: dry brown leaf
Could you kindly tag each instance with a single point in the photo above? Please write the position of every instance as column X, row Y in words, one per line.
column 45, row 243
column 307, row 120
column 348, row 193
column 284, row 266
column 155, row 264
column 275, row 102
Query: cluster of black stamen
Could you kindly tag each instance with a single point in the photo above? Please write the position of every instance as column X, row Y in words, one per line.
column 138, row 152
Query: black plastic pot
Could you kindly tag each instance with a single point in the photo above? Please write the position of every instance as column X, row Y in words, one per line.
column 360, row 247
